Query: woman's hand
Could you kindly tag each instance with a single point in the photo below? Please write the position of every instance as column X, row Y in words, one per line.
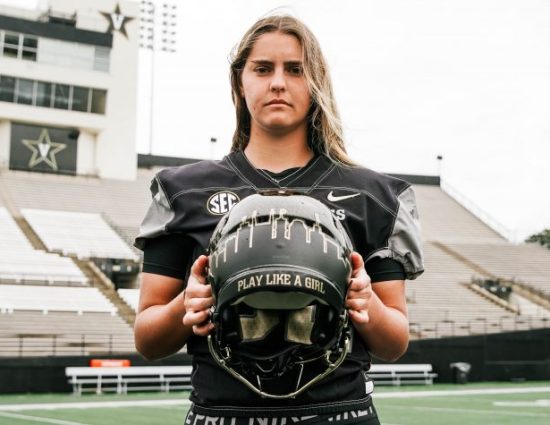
column 359, row 291
column 198, row 299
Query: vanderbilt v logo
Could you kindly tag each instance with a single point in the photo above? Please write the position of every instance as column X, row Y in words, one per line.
column 117, row 21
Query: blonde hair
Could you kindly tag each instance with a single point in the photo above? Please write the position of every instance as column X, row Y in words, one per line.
column 325, row 134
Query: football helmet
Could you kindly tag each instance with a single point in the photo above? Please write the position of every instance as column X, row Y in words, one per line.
column 279, row 269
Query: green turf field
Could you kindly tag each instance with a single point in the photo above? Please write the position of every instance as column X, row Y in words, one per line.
column 472, row 404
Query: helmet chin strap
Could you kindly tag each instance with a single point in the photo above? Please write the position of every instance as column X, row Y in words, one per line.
column 224, row 364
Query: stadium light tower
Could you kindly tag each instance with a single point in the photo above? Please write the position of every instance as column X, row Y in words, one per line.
column 157, row 25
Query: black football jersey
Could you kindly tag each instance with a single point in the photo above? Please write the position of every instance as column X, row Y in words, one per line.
column 378, row 212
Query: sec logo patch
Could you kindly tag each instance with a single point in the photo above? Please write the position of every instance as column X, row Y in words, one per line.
column 221, row 202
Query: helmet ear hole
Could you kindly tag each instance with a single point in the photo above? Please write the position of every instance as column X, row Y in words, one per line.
column 325, row 325
column 229, row 326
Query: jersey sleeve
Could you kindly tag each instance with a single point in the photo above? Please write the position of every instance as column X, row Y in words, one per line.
column 404, row 241
column 168, row 255
column 384, row 269
column 159, row 214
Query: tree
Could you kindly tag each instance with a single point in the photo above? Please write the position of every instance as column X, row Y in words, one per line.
column 543, row 238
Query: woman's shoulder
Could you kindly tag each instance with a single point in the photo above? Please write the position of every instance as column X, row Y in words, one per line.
column 195, row 175
column 366, row 179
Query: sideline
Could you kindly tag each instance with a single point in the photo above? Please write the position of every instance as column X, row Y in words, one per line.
column 442, row 393
column 91, row 405
column 186, row 403
column 474, row 411
column 38, row 419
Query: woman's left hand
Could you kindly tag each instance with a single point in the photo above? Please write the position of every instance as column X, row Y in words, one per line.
column 359, row 291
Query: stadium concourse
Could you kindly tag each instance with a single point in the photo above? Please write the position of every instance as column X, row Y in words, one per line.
column 69, row 276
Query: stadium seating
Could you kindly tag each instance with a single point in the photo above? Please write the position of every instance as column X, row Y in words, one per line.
column 527, row 263
column 21, row 263
column 57, row 298
column 41, row 320
column 123, row 202
column 84, row 235
column 444, row 220
column 33, row 333
column 457, row 245
column 441, row 304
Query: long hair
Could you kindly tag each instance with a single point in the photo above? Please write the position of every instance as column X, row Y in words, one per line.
column 325, row 134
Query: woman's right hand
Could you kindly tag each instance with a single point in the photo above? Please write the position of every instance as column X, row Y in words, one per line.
column 198, row 299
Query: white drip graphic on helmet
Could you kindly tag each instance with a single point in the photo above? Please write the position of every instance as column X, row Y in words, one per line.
column 276, row 218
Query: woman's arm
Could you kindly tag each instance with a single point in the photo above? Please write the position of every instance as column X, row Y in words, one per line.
column 159, row 329
column 378, row 312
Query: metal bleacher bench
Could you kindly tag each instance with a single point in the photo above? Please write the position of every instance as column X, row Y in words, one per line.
column 124, row 379
column 398, row 374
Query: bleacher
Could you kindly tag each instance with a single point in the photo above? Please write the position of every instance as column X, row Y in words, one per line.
column 63, row 333
column 41, row 320
column 457, row 245
column 55, row 298
column 123, row 202
column 528, row 263
column 21, row 263
column 84, row 235
column 439, row 304
column 444, row 220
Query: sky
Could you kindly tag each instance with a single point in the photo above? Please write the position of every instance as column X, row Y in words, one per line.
column 468, row 80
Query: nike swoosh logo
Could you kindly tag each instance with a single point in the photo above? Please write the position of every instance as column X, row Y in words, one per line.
column 333, row 198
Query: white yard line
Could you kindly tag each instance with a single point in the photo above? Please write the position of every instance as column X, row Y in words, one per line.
column 186, row 403
column 92, row 404
column 411, row 394
column 476, row 411
column 535, row 403
column 38, row 419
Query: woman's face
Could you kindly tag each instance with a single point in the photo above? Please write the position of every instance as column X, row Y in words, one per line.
column 273, row 85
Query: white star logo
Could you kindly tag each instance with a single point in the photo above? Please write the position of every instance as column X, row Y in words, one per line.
column 43, row 150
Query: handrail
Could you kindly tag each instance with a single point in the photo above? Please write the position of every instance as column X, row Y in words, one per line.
column 480, row 213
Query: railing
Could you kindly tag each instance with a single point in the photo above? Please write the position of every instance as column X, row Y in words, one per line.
column 27, row 344
column 484, row 216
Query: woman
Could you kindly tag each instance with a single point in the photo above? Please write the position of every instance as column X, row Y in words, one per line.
column 288, row 136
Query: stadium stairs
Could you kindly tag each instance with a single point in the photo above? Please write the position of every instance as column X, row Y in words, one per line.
column 97, row 279
column 95, row 276
column 526, row 291
column 482, row 272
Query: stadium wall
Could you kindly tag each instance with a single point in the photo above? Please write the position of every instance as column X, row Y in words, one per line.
column 47, row 374
column 508, row 356
column 511, row 356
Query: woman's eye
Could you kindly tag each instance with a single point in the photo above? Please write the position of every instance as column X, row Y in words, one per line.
column 295, row 70
column 262, row 69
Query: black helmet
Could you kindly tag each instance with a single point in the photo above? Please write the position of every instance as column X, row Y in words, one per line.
column 279, row 269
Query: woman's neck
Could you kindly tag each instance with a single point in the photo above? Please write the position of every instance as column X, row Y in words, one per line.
column 277, row 154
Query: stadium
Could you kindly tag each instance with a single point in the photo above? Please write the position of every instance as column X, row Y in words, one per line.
column 74, row 190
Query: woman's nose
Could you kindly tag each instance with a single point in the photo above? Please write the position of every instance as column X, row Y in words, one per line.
column 278, row 80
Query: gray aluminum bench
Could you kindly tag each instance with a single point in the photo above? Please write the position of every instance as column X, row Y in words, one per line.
column 124, row 379
column 398, row 374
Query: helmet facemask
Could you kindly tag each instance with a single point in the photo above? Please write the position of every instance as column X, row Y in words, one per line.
column 279, row 269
